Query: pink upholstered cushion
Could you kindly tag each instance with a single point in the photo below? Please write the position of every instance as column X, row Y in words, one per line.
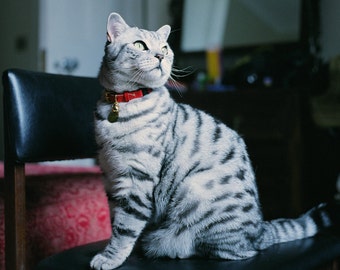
column 66, row 207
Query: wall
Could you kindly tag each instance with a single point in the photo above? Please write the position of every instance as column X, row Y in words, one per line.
column 76, row 30
column 19, row 31
column 330, row 30
column 260, row 22
column 19, row 43
column 234, row 23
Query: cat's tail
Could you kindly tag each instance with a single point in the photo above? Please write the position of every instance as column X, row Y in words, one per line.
column 309, row 224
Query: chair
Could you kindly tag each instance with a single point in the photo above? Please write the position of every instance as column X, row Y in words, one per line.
column 46, row 117
column 57, row 112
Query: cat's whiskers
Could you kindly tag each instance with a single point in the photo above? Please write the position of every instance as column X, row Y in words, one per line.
column 136, row 75
column 176, row 85
column 182, row 72
column 179, row 73
column 120, row 68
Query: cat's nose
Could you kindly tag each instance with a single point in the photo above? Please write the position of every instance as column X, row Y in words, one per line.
column 159, row 56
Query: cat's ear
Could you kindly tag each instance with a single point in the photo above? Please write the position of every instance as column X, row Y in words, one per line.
column 164, row 32
column 115, row 26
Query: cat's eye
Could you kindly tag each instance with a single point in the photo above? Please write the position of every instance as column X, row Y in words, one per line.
column 165, row 50
column 140, row 45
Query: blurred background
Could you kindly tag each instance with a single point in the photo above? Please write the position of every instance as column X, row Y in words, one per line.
column 269, row 69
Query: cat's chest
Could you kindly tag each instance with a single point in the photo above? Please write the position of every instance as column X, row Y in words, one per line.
column 140, row 121
column 134, row 137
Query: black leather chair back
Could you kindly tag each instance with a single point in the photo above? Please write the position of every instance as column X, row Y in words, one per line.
column 49, row 117
column 46, row 117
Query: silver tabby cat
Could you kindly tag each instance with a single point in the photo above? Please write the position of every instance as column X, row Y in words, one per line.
column 180, row 182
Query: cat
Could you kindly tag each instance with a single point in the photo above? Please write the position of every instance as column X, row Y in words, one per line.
column 179, row 181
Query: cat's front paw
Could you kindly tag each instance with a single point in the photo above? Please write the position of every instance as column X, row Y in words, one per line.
column 100, row 262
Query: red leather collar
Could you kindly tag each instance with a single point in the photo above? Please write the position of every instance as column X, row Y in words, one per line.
column 113, row 97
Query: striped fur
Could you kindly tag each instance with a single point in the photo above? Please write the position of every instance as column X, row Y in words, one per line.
column 179, row 181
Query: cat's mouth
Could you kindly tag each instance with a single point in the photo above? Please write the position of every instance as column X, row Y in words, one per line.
column 159, row 68
column 161, row 73
column 153, row 66
column 154, row 71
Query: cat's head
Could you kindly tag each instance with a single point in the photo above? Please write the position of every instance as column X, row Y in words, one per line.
column 134, row 57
